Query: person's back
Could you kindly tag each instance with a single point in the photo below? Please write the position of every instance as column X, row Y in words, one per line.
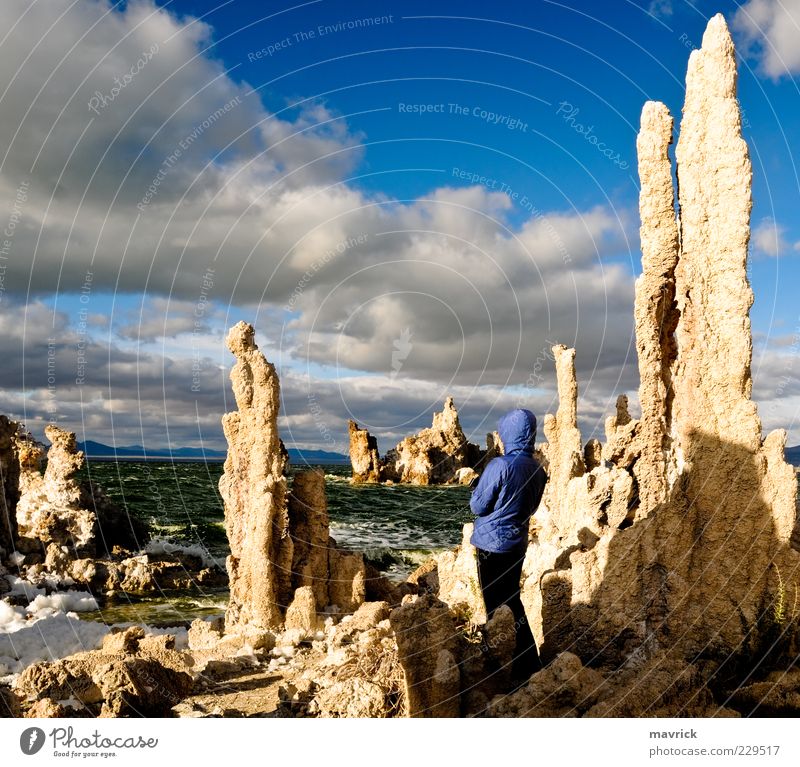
column 510, row 488
column 507, row 494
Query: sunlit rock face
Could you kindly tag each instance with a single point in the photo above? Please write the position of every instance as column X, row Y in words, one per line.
column 678, row 536
column 253, row 488
column 438, row 455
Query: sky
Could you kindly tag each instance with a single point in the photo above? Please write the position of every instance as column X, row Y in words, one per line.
column 406, row 199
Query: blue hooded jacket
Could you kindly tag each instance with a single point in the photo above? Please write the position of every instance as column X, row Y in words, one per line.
column 509, row 489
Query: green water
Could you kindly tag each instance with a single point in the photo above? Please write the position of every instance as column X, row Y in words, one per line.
column 398, row 526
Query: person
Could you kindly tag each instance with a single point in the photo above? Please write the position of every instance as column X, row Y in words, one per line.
column 506, row 495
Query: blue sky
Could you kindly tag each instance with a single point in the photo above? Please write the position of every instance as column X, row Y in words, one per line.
column 470, row 170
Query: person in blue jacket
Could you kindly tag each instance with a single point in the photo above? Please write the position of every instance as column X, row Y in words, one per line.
column 507, row 494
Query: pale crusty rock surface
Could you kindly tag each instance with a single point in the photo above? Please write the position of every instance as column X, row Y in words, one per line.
column 565, row 451
column 347, row 584
column 434, row 455
column 458, row 584
column 651, row 549
column 310, row 531
column 655, row 312
column 302, row 612
column 428, row 645
column 437, row 455
column 67, row 532
column 253, row 489
column 663, row 687
column 50, row 507
column 131, row 675
column 83, row 536
column 364, row 457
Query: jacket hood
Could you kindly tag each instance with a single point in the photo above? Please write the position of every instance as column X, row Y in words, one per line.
column 517, row 430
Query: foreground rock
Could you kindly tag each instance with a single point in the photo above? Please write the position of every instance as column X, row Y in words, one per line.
column 132, row 675
column 664, row 687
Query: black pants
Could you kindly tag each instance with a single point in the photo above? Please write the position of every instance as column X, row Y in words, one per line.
column 500, row 582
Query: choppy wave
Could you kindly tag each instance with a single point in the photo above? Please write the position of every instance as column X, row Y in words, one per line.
column 400, row 525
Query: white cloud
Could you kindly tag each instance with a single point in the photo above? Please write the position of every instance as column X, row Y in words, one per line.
column 263, row 199
column 769, row 31
column 660, row 8
column 769, row 239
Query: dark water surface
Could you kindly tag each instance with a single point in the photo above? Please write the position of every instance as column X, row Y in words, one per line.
column 398, row 526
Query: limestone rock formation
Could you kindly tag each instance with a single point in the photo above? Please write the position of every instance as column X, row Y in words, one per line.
column 353, row 698
column 434, row 455
column 253, row 488
column 347, row 584
column 310, row 531
column 458, row 582
column 50, row 508
column 437, row 455
column 364, row 457
column 302, row 612
column 54, row 513
column 665, row 686
column 564, row 688
column 565, row 452
column 655, row 312
column 281, row 551
column 428, row 646
column 679, row 537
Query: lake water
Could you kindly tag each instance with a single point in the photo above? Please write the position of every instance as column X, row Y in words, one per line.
column 397, row 526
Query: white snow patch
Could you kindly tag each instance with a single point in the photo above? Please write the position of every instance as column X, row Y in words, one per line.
column 64, row 601
column 162, row 546
column 24, row 641
column 180, row 632
column 71, row 703
column 49, row 629
column 21, row 587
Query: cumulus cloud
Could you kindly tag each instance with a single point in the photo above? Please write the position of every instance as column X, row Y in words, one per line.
column 660, row 8
column 769, row 239
column 135, row 161
column 769, row 32
column 143, row 159
column 262, row 200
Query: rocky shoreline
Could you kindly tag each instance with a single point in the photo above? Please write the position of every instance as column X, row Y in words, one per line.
column 438, row 455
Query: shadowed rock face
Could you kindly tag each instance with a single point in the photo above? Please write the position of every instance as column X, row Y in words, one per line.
column 9, row 479
column 679, row 537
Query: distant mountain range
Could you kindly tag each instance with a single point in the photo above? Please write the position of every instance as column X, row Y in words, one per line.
column 98, row 450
